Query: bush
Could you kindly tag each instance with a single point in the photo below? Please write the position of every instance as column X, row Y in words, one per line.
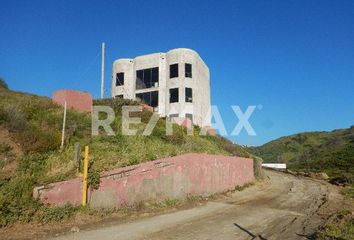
column 3, row 84
column 33, row 165
column 6, row 154
column 348, row 191
column 35, row 140
column 93, row 180
column 48, row 214
column 15, row 120
column 177, row 137
column 16, row 202
column 341, row 226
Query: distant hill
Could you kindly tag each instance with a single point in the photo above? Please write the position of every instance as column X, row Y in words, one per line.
column 331, row 152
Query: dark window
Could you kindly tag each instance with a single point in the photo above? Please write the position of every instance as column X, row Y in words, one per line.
column 173, row 95
column 189, row 95
column 147, row 78
column 188, row 70
column 154, row 76
column 139, row 79
column 175, row 115
column 119, row 96
column 190, row 116
column 174, row 70
column 150, row 98
column 120, row 79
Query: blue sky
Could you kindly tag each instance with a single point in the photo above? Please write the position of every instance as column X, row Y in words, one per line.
column 295, row 58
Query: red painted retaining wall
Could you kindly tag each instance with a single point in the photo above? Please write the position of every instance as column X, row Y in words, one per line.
column 174, row 177
column 80, row 101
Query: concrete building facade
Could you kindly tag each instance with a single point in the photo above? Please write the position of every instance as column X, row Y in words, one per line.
column 176, row 83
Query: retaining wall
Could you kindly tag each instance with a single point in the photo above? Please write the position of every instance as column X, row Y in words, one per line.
column 80, row 101
column 174, row 177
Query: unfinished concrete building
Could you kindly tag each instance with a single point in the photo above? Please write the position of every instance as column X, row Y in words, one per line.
column 176, row 84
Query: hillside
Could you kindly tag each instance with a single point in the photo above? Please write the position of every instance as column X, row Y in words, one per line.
column 30, row 135
column 331, row 152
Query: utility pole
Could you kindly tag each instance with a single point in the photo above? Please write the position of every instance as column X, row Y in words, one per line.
column 63, row 130
column 102, row 71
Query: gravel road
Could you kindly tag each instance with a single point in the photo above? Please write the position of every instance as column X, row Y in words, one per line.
column 283, row 207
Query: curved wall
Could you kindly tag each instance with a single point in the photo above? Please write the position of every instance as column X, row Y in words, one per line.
column 199, row 82
column 174, row 177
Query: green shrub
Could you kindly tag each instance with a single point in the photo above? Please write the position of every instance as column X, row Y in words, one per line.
column 16, row 202
column 49, row 214
column 340, row 227
column 6, row 154
column 5, row 148
column 348, row 191
column 132, row 161
column 15, row 120
column 178, row 136
column 3, row 84
column 33, row 165
column 93, row 180
column 171, row 202
column 36, row 140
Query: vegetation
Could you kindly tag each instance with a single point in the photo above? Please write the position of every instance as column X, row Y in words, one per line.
column 341, row 226
column 3, row 84
column 34, row 124
column 348, row 191
column 329, row 152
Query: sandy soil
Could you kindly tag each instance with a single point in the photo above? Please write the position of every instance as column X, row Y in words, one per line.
column 282, row 207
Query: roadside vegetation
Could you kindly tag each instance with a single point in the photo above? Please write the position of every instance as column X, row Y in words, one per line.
column 30, row 135
column 340, row 226
column 348, row 191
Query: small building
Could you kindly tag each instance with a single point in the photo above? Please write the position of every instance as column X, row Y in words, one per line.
column 176, row 84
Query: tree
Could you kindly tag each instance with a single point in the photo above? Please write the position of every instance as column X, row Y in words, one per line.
column 3, row 84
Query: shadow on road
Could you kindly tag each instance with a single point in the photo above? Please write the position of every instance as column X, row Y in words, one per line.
column 249, row 233
column 310, row 237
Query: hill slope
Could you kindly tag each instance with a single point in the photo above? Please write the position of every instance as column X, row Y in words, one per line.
column 331, row 152
column 30, row 135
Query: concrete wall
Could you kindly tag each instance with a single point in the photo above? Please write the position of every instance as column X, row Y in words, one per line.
column 80, row 101
column 174, row 177
column 200, row 82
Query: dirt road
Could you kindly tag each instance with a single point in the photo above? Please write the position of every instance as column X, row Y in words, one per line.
column 284, row 207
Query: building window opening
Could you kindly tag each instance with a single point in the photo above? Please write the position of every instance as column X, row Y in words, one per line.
column 188, row 70
column 174, row 70
column 189, row 116
column 120, row 79
column 147, row 78
column 150, row 98
column 174, row 115
column 173, row 95
column 189, row 95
